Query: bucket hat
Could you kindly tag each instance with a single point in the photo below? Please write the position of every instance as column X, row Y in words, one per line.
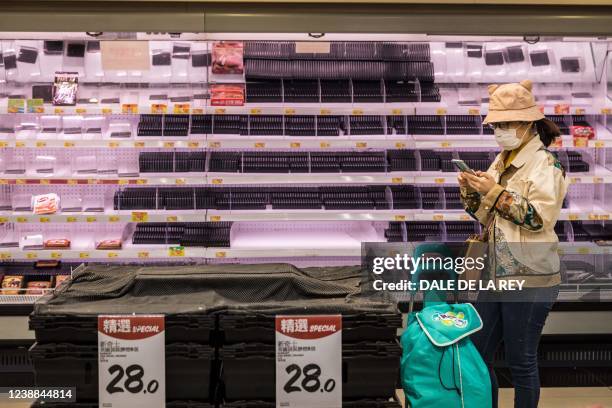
column 512, row 103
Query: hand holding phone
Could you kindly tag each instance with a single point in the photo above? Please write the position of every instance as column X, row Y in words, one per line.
column 462, row 166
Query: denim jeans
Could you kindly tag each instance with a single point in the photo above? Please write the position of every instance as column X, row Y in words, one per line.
column 518, row 323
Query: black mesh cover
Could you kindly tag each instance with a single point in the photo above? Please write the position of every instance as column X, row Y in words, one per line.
column 265, row 288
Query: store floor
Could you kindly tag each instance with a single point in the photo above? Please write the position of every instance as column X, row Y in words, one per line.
column 551, row 398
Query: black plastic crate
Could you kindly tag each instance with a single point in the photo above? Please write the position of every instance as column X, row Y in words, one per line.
column 84, row 329
column 16, row 369
column 369, row 370
column 188, row 369
column 259, row 328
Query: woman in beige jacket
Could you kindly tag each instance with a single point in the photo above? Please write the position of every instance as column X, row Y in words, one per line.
column 518, row 201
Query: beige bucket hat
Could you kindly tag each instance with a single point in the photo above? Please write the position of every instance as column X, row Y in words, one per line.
column 512, row 103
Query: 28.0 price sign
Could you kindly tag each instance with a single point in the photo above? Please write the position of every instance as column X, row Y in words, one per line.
column 309, row 361
column 131, row 361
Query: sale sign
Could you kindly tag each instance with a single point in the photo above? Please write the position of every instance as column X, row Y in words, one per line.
column 309, row 361
column 131, row 361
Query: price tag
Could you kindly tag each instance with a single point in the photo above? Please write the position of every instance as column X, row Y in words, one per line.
column 56, row 255
column 180, row 181
column 295, row 145
column 129, row 108
column 465, row 217
column 255, row 111
column 31, row 255
column 325, row 112
column 123, row 182
column 107, row 111
column 58, row 111
column 439, row 180
column 604, row 217
column 81, row 111
column 159, row 108
column 400, row 218
column 41, row 144
column 219, row 111
column 562, row 109
column 112, row 255
column 113, row 218
column 215, row 218
column 217, row 181
column 44, row 219
column 397, row 180
column 361, row 145
column 45, row 182
column 139, row 145
column 172, row 218
column 438, row 217
column 68, row 144
column 396, row 112
column 83, row 255
column 72, row 182
column 19, row 144
column 473, row 111
column 584, row 251
column 131, row 361
column 91, row 219
column 358, row 112
column 5, row 255
column 143, row 254
column 3, row 145
column 71, row 219
column 324, row 145
column 259, row 145
column 579, row 111
column 113, row 145
column 309, row 361
column 20, row 181
column 575, row 180
column 141, row 181
column 599, row 144
column 606, row 111
column 182, row 108
column 598, row 180
column 193, row 145
column 169, row 144
column 573, row 217
column 400, row 145
column 289, row 111
column 220, row 254
column 441, row 111
column 140, row 216
column 3, row 220
column 22, row 219
column 176, row 251
column 214, row 145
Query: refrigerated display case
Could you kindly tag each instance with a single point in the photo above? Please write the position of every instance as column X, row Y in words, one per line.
column 253, row 133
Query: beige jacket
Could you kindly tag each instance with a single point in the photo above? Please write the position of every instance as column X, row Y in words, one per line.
column 525, row 206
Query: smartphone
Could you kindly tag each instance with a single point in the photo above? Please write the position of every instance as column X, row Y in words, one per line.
column 462, row 166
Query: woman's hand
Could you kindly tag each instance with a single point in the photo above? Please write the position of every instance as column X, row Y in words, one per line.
column 482, row 182
column 462, row 180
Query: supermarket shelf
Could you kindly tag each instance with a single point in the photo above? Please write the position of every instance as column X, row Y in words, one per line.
column 310, row 142
column 310, row 215
column 174, row 179
column 314, row 252
column 310, row 178
column 110, row 216
column 407, row 108
column 146, row 252
column 115, row 109
column 137, row 143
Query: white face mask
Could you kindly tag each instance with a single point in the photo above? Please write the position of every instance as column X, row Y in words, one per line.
column 507, row 138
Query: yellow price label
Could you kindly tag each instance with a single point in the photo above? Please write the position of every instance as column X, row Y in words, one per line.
column 295, row 145
column 45, row 182
column 113, row 218
column 159, row 108
column 83, row 255
column 358, row 112
column 68, row 144
column 20, row 181
column 71, row 219
column 3, row 181
column 290, row 111
column 112, row 255
column 438, row 217
column 141, row 181
column 72, row 182
column 255, row 111
column 215, row 218
column 182, row 108
column 604, row 217
column 180, row 181
column 168, row 144
column 441, row 111
column 465, row 217
column 219, row 111
column 324, row 145
column 140, row 216
column 598, row 180
column 361, row 145
column 439, row 180
column 193, row 145
column 325, row 112
column 579, row 111
column 584, row 251
column 397, row 180
column 400, row 145
column 220, row 254
column 177, row 251
column 214, row 145
column 113, row 145
column 56, row 255
column 400, row 218
column 259, row 145
column 127, row 108
column 31, row 255
column 44, row 219
column 143, row 254
column 5, row 255
column 217, row 181
column 123, row 182
column 606, row 111
column 593, row 217
column 172, row 218
column 573, row 217
column 58, row 111
column 473, row 111
column 91, row 219
column 575, row 180
column 19, row 144
column 81, row 111
column 396, row 111
column 599, row 144
column 139, row 145
column 107, row 111
column 41, row 144
column 3, row 144
column 445, row 144
column 3, row 220
column 22, row 219
column 197, row 111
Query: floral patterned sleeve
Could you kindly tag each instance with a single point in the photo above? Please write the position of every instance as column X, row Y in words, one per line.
column 516, row 208
column 470, row 200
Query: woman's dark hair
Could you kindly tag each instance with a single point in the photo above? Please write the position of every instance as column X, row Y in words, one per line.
column 548, row 131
